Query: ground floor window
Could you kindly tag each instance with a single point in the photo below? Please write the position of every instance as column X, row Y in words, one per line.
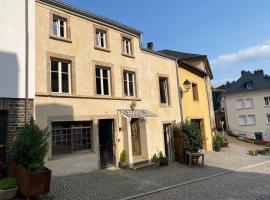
column 70, row 137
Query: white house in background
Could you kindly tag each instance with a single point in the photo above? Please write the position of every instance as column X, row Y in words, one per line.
column 247, row 105
column 17, row 66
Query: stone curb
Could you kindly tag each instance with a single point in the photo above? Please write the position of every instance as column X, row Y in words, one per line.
column 193, row 181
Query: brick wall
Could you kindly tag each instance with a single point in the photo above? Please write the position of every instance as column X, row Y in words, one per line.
column 15, row 117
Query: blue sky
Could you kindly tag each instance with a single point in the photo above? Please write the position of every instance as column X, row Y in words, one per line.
column 235, row 34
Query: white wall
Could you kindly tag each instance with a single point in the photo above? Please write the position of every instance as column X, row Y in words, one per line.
column 12, row 48
column 259, row 109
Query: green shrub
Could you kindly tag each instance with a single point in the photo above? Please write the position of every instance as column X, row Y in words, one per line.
column 8, row 184
column 267, row 149
column 123, row 156
column 163, row 159
column 218, row 141
column 261, row 151
column 252, row 152
column 192, row 137
column 155, row 158
column 31, row 147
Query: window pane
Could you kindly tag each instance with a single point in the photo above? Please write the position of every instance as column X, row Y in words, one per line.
column 251, row 120
column 240, row 104
column 249, row 103
column 268, row 118
column 97, row 72
column 125, row 88
column 98, row 85
column 125, row 76
column 105, row 73
column 131, row 92
column 54, row 66
column 242, row 120
column 65, row 84
column 54, row 26
column 97, row 38
column 106, row 86
column 64, row 67
column 195, row 92
column 162, row 87
column 54, row 82
column 62, row 28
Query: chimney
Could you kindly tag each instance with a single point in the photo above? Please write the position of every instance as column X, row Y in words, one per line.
column 243, row 73
column 150, row 46
column 259, row 73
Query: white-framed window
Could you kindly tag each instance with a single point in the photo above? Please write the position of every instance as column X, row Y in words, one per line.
column 251, row 120
column 127, row 46
column 267, row 101
column 249, row 103
column 103, row 80
column 101, row 38
column 242, row 120
column 164, row 90
column 240, row 103
column 268, row 118
column 59, row 28
column 249, row 85
column 60, row 76
column 129, row 83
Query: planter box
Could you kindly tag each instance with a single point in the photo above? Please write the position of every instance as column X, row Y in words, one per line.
column 31, row 184
column 8, row 194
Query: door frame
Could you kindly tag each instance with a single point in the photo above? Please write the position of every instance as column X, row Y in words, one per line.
column 114, row 124
column 5, row 113
column 170, row 142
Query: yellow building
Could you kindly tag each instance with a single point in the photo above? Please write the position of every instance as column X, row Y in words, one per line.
column 195, row 74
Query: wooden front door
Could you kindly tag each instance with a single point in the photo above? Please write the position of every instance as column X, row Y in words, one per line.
column 3, row 135
column 135, row 137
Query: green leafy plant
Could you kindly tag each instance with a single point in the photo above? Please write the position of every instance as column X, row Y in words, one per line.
column 193, row 139
column 8, row 184
column 123, row 156
column 260, row 151
column 252, row 152
column 218, row 141
column 267, row 149
column 31, row 147
column 155, row 158
column 162, row 159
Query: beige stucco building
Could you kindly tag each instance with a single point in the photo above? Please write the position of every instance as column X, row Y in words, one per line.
column 90, row 73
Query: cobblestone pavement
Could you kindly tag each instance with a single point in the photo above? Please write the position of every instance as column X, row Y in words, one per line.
column 116, row 184
column 251, row 184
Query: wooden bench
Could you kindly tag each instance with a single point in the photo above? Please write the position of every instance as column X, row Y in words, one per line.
column 191, row 155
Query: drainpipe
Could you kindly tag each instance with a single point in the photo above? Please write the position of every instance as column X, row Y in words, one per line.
column 26, row 60
column 178, row 61
column 209, row 104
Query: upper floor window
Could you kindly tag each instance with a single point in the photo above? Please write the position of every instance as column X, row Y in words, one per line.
column 249, row 103
column 195, row 92
column 251, row 120
column 129, row 83
column 59, row 28
column 164, row 90
column 103, row 80
column 60, row 76
column 127, row 46
column 101, row 38
column 240, row 104
column 249, row 85
column 242, row 120
column 268, row 118
column 267, row 101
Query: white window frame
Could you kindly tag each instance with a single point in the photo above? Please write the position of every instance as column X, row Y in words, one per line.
column 268, row 118
column 267, row 98
column 243, row 103
column 252, row 103
column 60, row 76
column 127, row 46
column 242, row 116
column 58, row 20
column 166, row 90
column 249, row 86
column 101, row 80
column 126, row 73
column 100, row 34
column 247, row 120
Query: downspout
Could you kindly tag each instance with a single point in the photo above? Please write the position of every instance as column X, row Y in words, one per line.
column 209, row 104
column 26, row 61
column 178, row 62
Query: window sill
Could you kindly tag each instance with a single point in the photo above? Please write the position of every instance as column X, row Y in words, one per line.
column 245, row 108
column 248, row 125
column 64, row 156
column 128, row 55
column 60, row 94
column 102, row 49
column 165, row 105
column 60, row 38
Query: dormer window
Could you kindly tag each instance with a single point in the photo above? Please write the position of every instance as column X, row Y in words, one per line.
column 127, row 46
column 249, row 85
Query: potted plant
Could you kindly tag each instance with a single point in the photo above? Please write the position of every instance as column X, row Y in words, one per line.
column 8, row 188
column 218, row 141
column 27, row 165
column 155, row 159
column 123, row 160
column 163, row 160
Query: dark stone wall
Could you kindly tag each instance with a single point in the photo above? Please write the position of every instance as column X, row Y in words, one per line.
column 15, row 117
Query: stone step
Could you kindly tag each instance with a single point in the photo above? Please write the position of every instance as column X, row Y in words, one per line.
column 142, row 164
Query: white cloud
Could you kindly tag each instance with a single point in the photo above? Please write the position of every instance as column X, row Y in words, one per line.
column 251, row 54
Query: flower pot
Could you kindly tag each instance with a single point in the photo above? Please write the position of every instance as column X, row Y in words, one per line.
column 30, row 184
column 122, row 165
column 8, row 194
column 217, row 147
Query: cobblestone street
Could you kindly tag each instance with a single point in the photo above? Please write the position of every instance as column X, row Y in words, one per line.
column 117, row 184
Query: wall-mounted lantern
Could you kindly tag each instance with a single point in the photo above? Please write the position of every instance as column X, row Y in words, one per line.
column 187, row 85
